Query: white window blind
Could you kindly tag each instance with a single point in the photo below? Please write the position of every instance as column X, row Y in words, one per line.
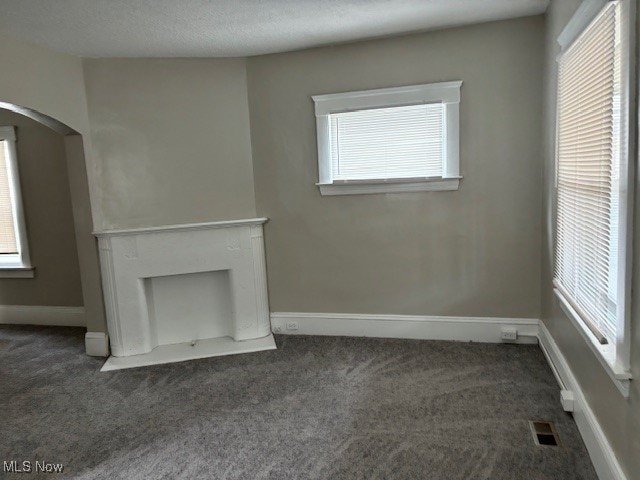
column 387, row 143
column 8, row 244
column 589, row 153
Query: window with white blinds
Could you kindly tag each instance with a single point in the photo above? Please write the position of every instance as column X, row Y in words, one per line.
column 8, row 242
column 389, row 140
column 14, row 251
column 591, row 175
column 384, row 143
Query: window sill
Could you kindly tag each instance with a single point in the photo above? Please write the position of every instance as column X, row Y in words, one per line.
column 606, row 354
column 17, row 272
column 363, row 187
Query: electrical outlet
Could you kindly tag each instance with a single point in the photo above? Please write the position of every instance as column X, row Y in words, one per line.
column 292, row 325
column 276, row 329
column 509, row 334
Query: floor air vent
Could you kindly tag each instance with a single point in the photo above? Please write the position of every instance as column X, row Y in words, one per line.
column 544, row 433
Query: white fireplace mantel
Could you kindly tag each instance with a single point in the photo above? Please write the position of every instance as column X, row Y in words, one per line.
column 181, row 292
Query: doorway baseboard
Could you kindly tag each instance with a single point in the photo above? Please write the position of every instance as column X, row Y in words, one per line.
column 42, row 315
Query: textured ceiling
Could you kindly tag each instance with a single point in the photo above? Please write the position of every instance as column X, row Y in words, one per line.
column 222, row 28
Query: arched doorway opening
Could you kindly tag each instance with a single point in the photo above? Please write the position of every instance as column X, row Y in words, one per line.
column 68, row 279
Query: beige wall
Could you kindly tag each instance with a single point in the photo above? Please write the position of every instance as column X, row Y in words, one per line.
column 85, row 240
column 172, row 140
column 472, row 252
column 52, row 85
column 49, row 218
column 46, row 81
column 619, row 418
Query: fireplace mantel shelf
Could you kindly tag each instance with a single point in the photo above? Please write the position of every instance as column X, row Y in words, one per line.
column 181, row 227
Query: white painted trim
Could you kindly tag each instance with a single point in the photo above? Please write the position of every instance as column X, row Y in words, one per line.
column 8, row 134
column 211, row 347
column 181, row 227
column 606, row 354
column 602, row 455
column 443, row 92
column 96, row 344
column 629, row 119
column 390, row 186
column 110, row 293
column 451, row 167
column 20, row 260
column 446, row 93
column 42, row 315
column 45, row 120
column 323, row 141
column 616, row 357
column 260, row 278
column 585, row 13
column 463, row 329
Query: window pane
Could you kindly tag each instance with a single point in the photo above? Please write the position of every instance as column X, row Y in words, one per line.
column 383, row 143
column 7, row 232
column 588, row 156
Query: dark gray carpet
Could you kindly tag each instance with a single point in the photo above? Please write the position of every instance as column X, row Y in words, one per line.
column 316, row 408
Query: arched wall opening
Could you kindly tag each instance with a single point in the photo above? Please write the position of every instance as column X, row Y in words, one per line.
column 87, row 259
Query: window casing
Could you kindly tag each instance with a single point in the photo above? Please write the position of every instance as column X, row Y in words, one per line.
column 389, row 140
column 14, row 249
column 593, row 187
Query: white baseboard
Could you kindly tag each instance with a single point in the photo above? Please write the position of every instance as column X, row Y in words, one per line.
column 462, row 329
column 465, row 329
column 96, row 344
column 42, row 315
column 602, row 456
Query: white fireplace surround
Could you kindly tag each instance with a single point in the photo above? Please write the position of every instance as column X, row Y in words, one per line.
column 181, row 292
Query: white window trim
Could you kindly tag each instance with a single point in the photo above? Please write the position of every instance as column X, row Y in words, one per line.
column 581, row 19
column 447, row 93
column 605, row 354
column 15, row 265
column 615, row 361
